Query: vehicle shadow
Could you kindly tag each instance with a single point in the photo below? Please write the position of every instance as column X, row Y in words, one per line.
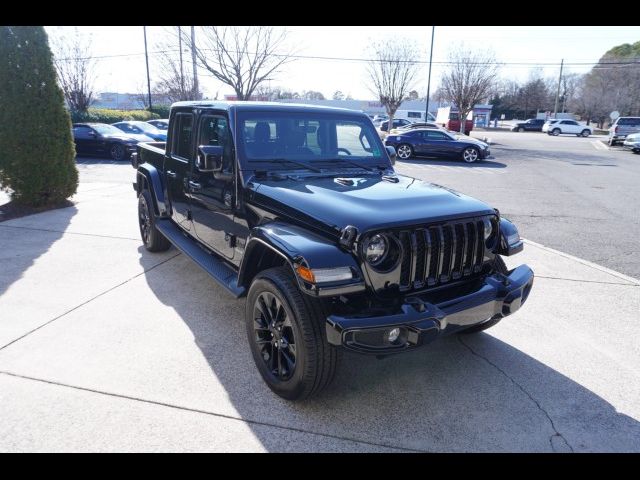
column 471, row 393
column 21, row 247
column 451, row 163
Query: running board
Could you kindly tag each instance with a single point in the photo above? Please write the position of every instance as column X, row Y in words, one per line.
column 219, row 270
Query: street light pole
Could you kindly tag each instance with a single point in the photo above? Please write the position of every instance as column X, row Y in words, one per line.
column 146, row 56
column 426, row 113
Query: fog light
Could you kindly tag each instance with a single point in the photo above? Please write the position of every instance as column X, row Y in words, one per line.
column 393, row 334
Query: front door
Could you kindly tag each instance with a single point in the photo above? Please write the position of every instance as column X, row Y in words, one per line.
column 213, row 193
column 176, row 168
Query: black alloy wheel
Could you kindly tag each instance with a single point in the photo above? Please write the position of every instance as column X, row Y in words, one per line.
column 117, row 151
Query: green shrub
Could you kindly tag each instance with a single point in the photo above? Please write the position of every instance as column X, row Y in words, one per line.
column 37, row 153
column 106, row 115
column 161, row 110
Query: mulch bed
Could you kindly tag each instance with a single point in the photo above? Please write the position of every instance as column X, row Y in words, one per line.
column 11, row 210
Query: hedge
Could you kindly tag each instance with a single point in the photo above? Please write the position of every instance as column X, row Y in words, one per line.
column 106, row 115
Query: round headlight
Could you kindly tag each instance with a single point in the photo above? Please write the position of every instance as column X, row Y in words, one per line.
column 375, row 249
column 488, row 228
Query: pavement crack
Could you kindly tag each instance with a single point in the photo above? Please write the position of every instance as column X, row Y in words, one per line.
column 68, row 233
column 587, row 281
column 557, row 434
column 86, row 302
column 213, row 414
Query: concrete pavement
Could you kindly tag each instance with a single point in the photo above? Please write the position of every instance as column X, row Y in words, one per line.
column 106, row 347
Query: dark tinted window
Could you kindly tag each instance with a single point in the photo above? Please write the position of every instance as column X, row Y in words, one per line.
column 182, row 135
column 214, row 130
column 434, row 135
column 81, row 132
column 630, row 121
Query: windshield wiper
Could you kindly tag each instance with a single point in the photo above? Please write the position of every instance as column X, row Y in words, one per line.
column 350, row 162
column 286, row 160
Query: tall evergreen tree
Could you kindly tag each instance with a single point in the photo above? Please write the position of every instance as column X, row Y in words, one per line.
column 37, row 153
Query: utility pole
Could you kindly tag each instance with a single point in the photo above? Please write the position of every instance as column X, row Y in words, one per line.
column 181, row 69
column 146, row 56
column 555, row 109
column 426, row 113
column 193, row 60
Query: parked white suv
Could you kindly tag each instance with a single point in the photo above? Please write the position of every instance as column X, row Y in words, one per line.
column 548, row 123
column 569, row 127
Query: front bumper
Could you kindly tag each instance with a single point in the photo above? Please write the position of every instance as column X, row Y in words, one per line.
column 420, row 322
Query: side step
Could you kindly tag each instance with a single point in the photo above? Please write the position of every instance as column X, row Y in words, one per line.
column 219, row 270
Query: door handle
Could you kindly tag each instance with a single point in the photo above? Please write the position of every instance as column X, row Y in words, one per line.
column 171, row 174
column 194, row 185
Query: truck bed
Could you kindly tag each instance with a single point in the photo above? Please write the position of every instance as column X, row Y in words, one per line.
column 152, row 153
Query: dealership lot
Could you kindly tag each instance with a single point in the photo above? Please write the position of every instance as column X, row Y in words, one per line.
column 99, row 350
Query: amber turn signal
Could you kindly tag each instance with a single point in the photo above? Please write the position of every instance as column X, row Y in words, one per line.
column 306, row 274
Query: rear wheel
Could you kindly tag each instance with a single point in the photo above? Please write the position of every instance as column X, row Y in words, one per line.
column 470, row 154
column 521, row 129
column 404, row 151
column 153, row 240
column 555, row 132
column 611, row 142
column 500, row 267
column 286, row 334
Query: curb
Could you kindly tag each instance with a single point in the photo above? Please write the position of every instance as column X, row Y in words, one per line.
column 619, row 275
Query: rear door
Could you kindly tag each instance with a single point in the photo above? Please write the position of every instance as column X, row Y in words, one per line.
column 82, row 136
column 177, row 167
column 213, row 193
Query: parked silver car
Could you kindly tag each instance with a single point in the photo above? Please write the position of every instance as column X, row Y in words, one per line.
column 632, row 142
column 622, row 127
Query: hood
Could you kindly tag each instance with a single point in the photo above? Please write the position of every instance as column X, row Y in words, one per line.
column 369, row 203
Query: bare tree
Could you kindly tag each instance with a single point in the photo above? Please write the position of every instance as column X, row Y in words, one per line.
column 174, row 84
column 392, row 71
column 469, row 79
column 241, row 57
column 75, row 66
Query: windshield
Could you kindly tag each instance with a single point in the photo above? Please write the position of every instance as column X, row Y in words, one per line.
column 308, row 137
column 147, row 127
column 104, row 129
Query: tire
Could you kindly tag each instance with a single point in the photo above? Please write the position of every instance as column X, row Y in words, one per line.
column 117, row 151
column 151, row 237
column 404, row 151
column 276, row 311
column 470, row 154
column 555, row 132
column 502, row 268
column 520, row 129
column 612, row 142
column 585, row 133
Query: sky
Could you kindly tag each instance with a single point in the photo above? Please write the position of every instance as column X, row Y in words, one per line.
column 539, row 48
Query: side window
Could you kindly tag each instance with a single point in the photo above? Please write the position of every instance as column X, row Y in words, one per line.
column 214, row 130
column 81, row 132
column 435, row 135
column 181, row 146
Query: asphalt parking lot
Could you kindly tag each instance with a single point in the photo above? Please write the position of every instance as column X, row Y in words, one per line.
column 106, row 347
column 574, row 194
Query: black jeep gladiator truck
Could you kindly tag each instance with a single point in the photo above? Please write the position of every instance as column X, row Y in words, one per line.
column 299, row 209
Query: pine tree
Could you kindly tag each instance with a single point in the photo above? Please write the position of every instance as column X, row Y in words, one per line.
column 37, row 153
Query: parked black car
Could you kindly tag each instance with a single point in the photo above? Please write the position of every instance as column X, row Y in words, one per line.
column 104, row 139
column 397, row 122
column 437, row 143
column 141, row 128
column 298, row 208
column 531, row 125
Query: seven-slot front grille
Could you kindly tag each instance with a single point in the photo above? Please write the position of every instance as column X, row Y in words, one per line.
column 434, row 255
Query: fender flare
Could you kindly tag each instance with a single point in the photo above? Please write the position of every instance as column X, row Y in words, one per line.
column 298, row 246
column 149, row 175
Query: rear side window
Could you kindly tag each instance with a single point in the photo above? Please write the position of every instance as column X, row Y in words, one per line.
column 182, row 135
column 630, row 121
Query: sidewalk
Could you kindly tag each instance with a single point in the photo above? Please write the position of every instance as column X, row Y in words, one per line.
column 106, row 347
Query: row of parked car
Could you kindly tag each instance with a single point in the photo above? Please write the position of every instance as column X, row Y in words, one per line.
column 118, row 140
column 625, row 130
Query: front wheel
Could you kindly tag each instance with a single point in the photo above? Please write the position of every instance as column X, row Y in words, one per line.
column 404, row 151
column 555, row 132
column 500, row 267
column 470, row 154
column 585, row 133
column 285, row 329
column 117, row 151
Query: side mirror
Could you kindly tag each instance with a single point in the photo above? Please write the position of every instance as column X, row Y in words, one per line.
column 392, row 153
column 209, row 158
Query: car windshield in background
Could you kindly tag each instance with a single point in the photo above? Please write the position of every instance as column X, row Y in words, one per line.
column 147, row 127
column 308, row 137
column 105, row 129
